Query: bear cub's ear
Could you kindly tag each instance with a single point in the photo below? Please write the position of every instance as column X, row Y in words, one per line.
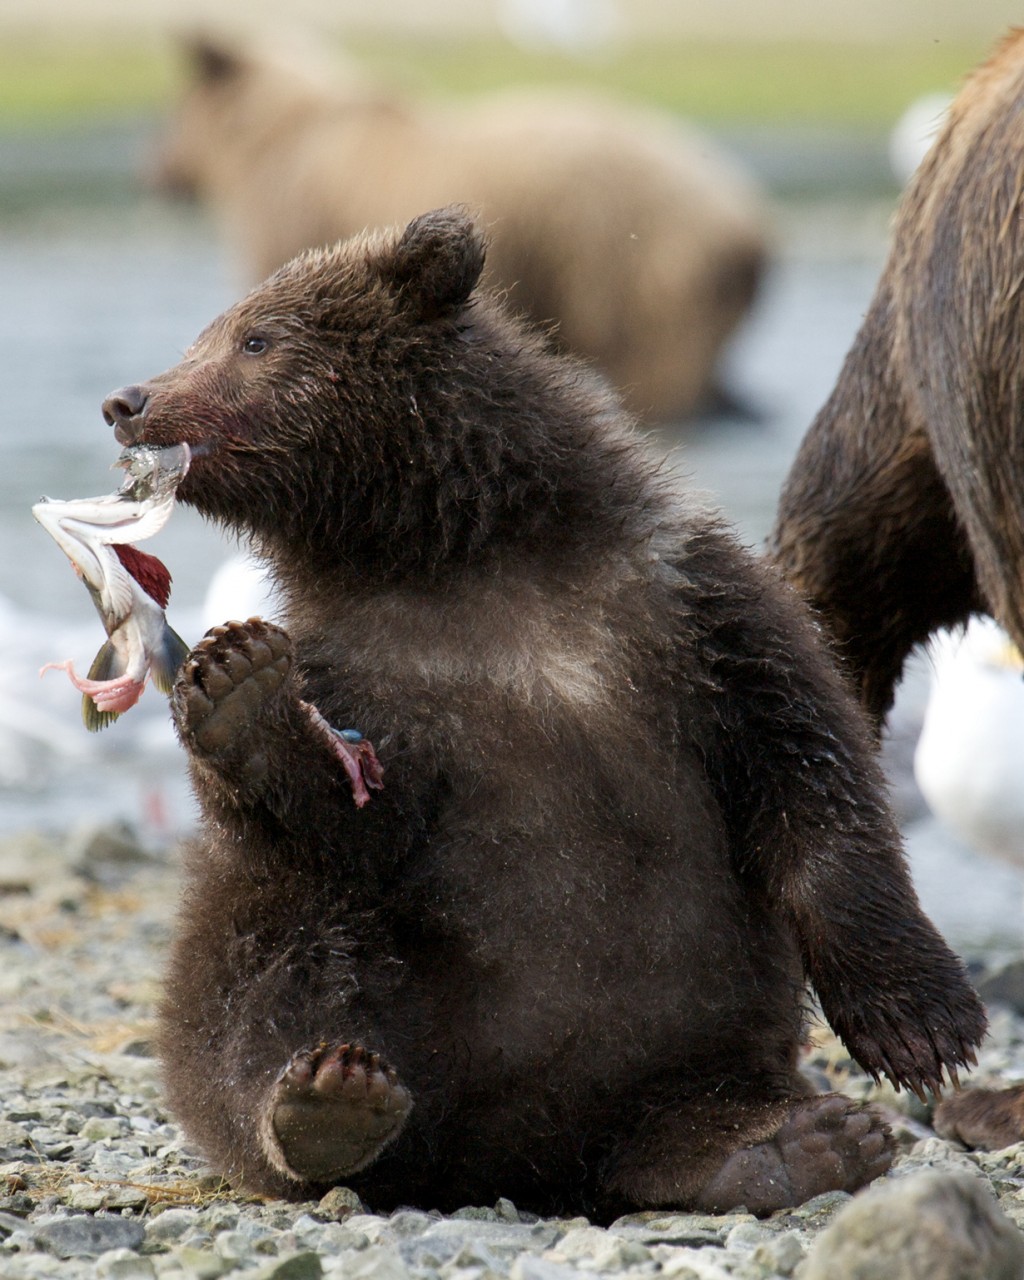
column 437, row 261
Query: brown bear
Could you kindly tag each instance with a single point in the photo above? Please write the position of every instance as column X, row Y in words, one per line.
column 904, row 509
column 626, row 807
column 640, row 242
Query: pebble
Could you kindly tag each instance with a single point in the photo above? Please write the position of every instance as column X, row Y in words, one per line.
column 97, row 1182
column 87, row 1236
column 934, row 1224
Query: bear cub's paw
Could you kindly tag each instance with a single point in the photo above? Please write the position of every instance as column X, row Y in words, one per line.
column 826, row 1143
column 331, row 1112
column 224, row 686
column 915, row 1038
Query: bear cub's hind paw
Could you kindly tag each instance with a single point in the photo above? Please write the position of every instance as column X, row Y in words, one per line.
column 825, row 1143
column 331, row 1112
column 225, row 682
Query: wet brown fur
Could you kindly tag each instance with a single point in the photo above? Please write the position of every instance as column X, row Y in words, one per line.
column 642, row 245
column 628, row 807
column 904, row 509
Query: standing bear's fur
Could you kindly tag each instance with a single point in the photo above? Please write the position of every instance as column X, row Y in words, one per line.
column 904, row 509
column 641, row 244
column 627, row 807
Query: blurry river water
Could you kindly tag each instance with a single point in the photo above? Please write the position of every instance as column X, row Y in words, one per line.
column 103, row 286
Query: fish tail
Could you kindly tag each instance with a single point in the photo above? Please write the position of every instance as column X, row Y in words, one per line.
column 167, row 659
column 107, row 665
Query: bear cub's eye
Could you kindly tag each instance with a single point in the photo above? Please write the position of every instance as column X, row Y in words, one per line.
column 254, row 345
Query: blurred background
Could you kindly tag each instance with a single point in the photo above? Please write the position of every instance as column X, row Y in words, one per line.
column 105, row 279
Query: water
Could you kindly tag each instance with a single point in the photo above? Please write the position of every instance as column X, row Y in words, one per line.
column 112, row 289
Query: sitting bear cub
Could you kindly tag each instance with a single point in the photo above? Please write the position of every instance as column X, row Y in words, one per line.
column 627, row 808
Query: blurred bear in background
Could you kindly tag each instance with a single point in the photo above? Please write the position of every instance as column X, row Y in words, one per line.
column 630, row 233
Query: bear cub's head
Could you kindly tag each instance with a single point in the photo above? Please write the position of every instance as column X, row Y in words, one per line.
column 364, row 407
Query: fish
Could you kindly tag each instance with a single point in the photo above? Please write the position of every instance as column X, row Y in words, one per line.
column 129, row 587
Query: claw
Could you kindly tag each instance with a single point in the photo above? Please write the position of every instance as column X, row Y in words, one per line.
column 917, row 1088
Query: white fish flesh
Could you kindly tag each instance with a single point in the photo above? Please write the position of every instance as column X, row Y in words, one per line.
column 129, row 588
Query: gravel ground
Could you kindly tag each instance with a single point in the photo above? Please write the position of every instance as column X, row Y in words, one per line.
column 95, row 1179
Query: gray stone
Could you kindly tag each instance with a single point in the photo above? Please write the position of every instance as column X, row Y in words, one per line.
column 1005, row 986
column 125, row 1198
column 601, row 1250
column 507, row 1212
column 936, row 1224
column 746, row 1236
column 9, row 1222
column 19, row 1204
column 13, row 1135
column 374, row 1228
column 780, row 1256
column 684, row 1229
column 446, row 1238
column 93, row 846
column 378, row 1262
column 85, row 1196
column 706, row 1263
column 221, row 1217
column 235, row 1246
column 295, row 1266
column 529, row 1267
column 123, row 1264
column 173, row 1224
column 98, row 1128
column 340, row 1203
column 200, row 1264
column 404, row 1222
column 477, row 1213
column 82, row 1236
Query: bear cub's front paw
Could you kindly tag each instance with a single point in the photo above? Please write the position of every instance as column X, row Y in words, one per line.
column 225, row 684
column 331, row 1111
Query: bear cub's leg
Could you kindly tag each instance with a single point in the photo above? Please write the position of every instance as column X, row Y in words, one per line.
column 792, row 1149
column 331, row 1111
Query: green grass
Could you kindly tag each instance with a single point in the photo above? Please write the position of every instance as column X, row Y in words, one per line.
column 783, row 83
column 43, row 84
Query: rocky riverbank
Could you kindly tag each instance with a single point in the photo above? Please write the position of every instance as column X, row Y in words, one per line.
column 95, row 1179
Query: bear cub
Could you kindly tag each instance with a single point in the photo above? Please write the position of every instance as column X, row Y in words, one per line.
column 626, row 811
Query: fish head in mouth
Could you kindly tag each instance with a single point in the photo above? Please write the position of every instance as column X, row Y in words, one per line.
column 154, row 472
column 263, row 381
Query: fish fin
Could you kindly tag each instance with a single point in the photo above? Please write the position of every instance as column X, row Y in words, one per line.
column 166, row 660
column 105, row 666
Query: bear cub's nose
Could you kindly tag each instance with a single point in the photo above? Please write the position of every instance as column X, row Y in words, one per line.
column 123, row 411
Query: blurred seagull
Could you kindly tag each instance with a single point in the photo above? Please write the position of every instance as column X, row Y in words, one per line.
column 969, row 761
column 574, row 27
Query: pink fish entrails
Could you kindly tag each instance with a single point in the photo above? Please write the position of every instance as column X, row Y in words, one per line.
column 355, row 754
column 129, row 588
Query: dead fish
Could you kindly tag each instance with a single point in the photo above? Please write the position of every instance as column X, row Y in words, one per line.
column 129, row 588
